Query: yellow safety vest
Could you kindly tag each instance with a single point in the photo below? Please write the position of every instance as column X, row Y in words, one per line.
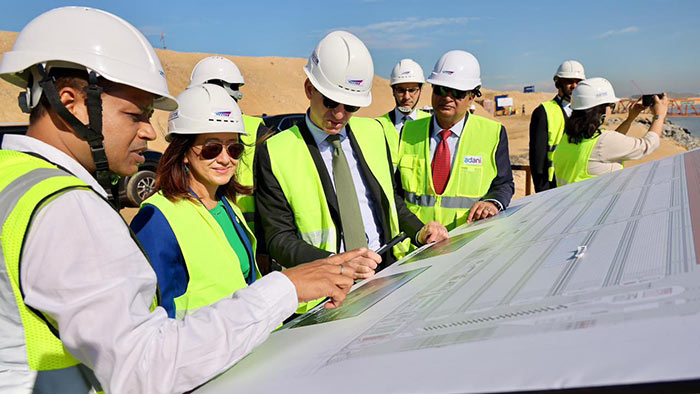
column 392, row 135
column 571, row 160
column 470, row 178
column 26, row 183
column 244, row 172
column 289, row 157
column 555, row 129
column 212, row 265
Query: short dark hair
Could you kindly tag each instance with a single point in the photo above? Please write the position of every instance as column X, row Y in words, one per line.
column 583, row 123
column 172, row 179
column 66, row 77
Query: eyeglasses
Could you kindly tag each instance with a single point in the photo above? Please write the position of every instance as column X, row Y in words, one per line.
column 212, row 150
column 443, row 91
column 330, row 104
column 412, row 90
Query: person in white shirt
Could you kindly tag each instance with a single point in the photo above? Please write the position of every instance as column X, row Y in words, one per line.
column 77, row 293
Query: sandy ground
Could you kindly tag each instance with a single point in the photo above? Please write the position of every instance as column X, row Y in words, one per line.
column 275, row 86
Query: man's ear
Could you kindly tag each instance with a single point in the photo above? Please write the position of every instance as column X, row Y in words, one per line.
column 308, row 88
column 74, row 102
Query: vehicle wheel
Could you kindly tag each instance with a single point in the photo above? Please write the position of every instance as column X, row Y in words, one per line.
column 140, row 186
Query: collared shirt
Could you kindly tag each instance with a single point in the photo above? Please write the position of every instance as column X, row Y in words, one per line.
column 81, row 267
column 402, row 118
column 566, row 106
column 367, row 208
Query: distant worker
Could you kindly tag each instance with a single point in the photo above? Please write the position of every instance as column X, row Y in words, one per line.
column 587, row 150
column 406, row 82
column 547, row 125
column 325, row 185
column 79, row 298
column 454, row 167
column 221, row 71
column 472, row 109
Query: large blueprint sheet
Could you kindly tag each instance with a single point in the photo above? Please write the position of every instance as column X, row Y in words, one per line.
column 593, row 284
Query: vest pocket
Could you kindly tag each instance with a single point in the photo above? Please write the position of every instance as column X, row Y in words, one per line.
column 470, row 179
column 412, row 169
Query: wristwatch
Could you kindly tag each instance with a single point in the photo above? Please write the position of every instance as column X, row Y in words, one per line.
column 655, row 117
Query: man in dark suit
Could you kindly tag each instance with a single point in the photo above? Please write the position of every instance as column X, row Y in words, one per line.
column 326, row 185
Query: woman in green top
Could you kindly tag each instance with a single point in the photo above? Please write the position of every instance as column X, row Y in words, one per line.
column 191, row 229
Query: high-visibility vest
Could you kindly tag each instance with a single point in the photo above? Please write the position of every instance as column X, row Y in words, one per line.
column 571, row 160
column 213, row 267
column 30, row 343
column 392, row 135
column 470, row 178
column 555, row 129
column 244, row 172
column 294, row 169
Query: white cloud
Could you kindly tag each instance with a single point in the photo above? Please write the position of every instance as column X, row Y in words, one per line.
column 626, row 30
column 409, row 33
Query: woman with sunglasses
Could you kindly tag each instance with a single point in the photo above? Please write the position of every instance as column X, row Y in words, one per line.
column 191, row 229
column 587, row 150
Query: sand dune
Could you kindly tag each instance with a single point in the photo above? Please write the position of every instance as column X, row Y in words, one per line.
column 274, row 85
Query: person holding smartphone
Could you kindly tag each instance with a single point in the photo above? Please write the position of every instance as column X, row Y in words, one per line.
column 587, row 150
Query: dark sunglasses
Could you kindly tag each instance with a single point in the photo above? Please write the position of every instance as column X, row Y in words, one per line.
column 211, row 150
column 330, row 104
column 443, row 91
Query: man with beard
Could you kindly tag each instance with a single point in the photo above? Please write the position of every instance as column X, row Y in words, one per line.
column 406, row 83
column 547, row 124
column 454, row 166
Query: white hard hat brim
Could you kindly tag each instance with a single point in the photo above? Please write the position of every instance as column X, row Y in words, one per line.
column 340, row 97
column 459, row 84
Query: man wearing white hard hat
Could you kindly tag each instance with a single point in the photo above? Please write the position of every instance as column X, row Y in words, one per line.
column 325, row 185
column 406, row 85
column 78, row 298
column 587, row 150
column 454, row 166
column 547, row 124
column 221, row 71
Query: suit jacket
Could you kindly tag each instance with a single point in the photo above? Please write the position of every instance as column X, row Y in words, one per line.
column 276, row 218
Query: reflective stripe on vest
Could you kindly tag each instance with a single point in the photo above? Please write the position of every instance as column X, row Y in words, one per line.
column 38, row 356
column 392, row 135
column 470, row 179
column 244, row 172
column 213, row 267
column 555, row 129
column 571, row 160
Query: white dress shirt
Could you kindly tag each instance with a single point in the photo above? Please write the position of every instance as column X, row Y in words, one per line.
column 81, row 267
column 369, row 213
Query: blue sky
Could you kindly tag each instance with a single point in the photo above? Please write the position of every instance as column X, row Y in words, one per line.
column 517, row 43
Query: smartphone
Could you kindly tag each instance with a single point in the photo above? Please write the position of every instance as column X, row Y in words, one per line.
column 648, row 99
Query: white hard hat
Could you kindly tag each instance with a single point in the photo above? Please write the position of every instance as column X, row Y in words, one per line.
column 341, row 68
column 205, row 109
column 216, row 67
column 570, row 69
column 95, row 40
column 592, row 92
column 406, row 71
column 458, row 70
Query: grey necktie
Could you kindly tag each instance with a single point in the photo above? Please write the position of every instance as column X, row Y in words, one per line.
column 350, row 215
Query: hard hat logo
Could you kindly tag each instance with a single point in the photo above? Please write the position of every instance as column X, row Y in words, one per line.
column 223, row 113
column 448, row 72
column 356, row 82
column 406, row 73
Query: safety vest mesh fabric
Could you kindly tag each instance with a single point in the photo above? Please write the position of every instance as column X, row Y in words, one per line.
column 27, row 182
column 392, row 135
column 555, row 129
column 571, row 160
column 244, row 172
column 213, row 267
column 472, row 171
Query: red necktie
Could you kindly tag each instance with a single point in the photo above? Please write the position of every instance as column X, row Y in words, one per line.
column 442, row 163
